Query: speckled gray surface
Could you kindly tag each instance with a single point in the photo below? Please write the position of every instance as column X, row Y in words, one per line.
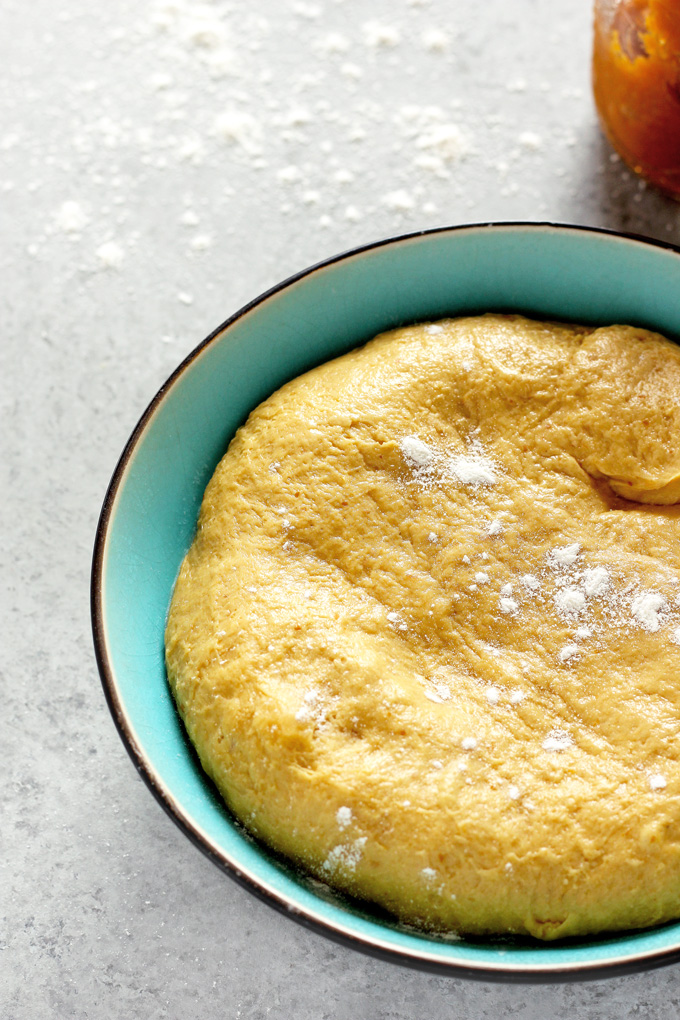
column 160, row 164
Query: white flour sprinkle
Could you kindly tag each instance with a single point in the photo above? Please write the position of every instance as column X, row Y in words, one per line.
column 433, row 329
column 110, row 255
column 236, row 127
column 657, row 782
column 429, row 874
column 469, row 469
column 530, row 582
column 418, row 455
column 481, row 577
column 675, row 637
column 582, row 633
column 201, row 242
column 377, row 35
column 646, row 608
column 475, row 470
column 343, row 817
column 495, row 528
column 557, row 740
column 446, row 141
column 345, row 855
column 433, row 537
column 468, row 743
column 507, row 605
column 441, row 692
column 437, row 764
column 466, row 559
column 71, row 218
column 567, row 652
column 513, row 792
column 563, row 555
column 312, row 710
column 275, row 466
column 493, row 695
column 399, row 200
column 596, row 581
column 435, row 40
column 570, row 601
column 516, row 697
column 530, row 140
column 396, row 620
column 506, row 589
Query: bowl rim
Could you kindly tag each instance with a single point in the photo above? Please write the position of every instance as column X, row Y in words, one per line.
column 519, row 973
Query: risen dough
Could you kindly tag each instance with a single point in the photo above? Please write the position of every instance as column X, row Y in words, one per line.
column 423, row 647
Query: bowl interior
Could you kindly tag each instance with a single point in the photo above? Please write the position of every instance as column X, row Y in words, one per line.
column 150, row 513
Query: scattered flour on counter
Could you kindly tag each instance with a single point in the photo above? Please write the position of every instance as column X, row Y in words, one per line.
column 236, row 127
column 435, row 40
column 646, row 608
column 189, row 218
column 445, row 141
column 530, row 140
column 71, row 218
column 201, row 242
column 110, row 255
column 399, row 200
column 377, row 35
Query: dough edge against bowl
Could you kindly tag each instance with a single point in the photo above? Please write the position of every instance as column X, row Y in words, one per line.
column 423, row 732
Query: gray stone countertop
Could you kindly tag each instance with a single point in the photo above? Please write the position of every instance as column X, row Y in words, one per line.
column 161, row 163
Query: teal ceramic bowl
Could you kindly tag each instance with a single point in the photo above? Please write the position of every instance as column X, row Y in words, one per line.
column 150, row 510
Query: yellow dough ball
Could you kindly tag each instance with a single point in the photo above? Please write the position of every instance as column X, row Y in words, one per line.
column 427, row 639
